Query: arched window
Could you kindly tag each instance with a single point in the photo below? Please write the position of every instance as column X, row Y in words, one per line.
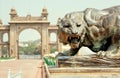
column 5, row 37
column 53, row 37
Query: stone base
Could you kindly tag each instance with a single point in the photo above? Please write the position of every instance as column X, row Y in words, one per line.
column 87, row 61
column 84, row 67
column 84, row 73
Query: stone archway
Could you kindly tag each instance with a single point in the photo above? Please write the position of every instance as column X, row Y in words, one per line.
column 17, row 27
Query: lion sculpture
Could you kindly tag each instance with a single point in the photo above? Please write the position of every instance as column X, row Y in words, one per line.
column 99, row 30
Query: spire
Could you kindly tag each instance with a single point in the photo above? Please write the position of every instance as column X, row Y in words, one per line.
column 13, row 13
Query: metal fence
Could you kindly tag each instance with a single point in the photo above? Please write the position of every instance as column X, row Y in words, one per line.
column 29, row 56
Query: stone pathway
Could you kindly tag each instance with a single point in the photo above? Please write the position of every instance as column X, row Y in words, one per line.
column 30, row 68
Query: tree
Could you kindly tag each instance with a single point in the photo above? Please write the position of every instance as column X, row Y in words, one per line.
column 31, row 49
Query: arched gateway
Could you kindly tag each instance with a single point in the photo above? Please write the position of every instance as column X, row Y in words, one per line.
column 18, row 24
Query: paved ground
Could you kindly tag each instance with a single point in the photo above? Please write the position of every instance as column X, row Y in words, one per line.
column 30, row 68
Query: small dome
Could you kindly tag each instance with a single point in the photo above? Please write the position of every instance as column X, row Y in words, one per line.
column 13, row 11
column 44, row 10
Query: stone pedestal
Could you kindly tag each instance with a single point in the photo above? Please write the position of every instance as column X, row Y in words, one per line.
column 84, row 72
column 84, row 67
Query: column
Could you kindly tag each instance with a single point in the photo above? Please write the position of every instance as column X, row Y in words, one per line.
column 1, row 54
column 13, row 41
column 44, row 39
column 9, row 44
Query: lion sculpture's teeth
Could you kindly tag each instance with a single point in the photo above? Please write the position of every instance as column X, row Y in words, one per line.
column 74, row 36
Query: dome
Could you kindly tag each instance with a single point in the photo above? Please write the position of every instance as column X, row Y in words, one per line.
column 13, row 11
column 44, row 10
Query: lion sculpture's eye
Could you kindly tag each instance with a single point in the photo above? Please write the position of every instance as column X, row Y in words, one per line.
column 67, row 26
column 78, row 25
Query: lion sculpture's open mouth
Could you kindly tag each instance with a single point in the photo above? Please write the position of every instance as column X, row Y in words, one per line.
column 74, row 38
column 74, row 41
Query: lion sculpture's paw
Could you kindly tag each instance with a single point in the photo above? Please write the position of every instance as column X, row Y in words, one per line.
column 113, row 54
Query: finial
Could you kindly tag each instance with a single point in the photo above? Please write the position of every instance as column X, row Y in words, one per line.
column 44, row 13
column 13, row 13
column 44, row 2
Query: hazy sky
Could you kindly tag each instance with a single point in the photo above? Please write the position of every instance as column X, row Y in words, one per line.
column 56, row 8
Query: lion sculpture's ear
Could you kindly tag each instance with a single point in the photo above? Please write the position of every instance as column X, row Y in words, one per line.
column 58, row 22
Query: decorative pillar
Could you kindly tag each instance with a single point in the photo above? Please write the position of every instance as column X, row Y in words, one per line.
column 13, row 41
column 16, row 46
column 48, row 42
column 13, row 33
column 1, row 54
column 9, row 44
column 45, row 38
column 0, row 40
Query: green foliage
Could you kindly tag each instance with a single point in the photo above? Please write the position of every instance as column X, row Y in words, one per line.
column 6, row 58
column 50, row 61
column 31, row 49
column 53, row 49
column 5, row 51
